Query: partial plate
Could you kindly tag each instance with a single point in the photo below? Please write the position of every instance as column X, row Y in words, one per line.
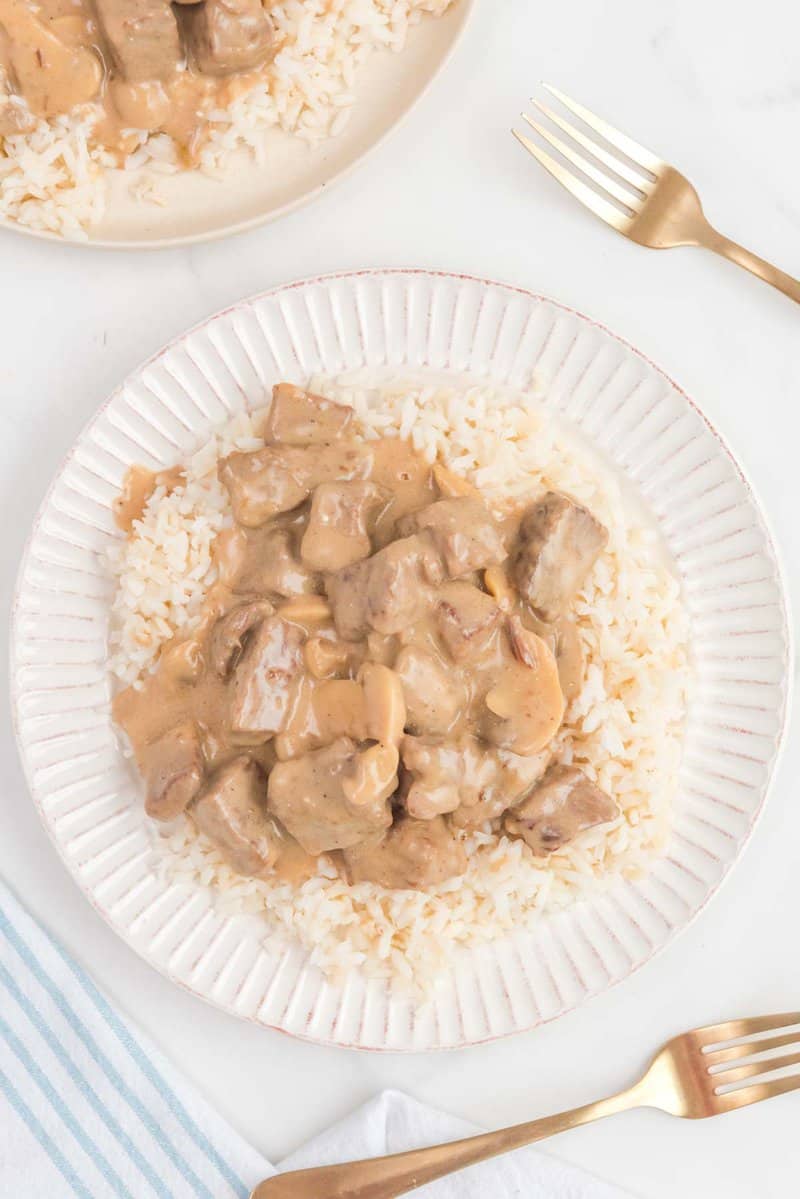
column 685, row 476
column 198, row 208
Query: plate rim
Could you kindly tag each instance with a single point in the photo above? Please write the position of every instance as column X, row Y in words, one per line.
column 787, row 628
column 277, row 214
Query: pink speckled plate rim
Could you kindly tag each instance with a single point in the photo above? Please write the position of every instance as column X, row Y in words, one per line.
column 787, row 631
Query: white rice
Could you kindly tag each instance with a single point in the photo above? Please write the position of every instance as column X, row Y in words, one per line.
column 55, row 178
column 624, row 729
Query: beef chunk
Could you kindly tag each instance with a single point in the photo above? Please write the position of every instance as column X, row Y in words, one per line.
column 142, row 36
column 273, row 566
column 562, row 805
column 525, row 704
column 232, row 812
column 338, row 532
column 263, row 483
column 434, row 697
column 464, row 776
column 297, row 417
column 386, row 592
column 226, row 36
column 467, row 617
column 263, row 679
column 328, row 799
column 557, row 545
column 413, row 854
column 463, row 531
column 173, row 769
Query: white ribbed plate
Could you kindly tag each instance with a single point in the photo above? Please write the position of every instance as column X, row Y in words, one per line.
column 685, row 476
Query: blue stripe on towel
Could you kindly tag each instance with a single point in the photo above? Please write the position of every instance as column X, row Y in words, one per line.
column 60, row 1108
column 100, row 1058
column 42, row 1136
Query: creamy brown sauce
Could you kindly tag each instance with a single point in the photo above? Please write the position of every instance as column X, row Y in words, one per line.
column 56, row 54
column 408, row 682
column 139, row 485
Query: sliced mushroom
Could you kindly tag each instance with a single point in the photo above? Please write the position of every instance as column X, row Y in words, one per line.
column 307, row 610
column 372, row 775
column 327, row 656
column 496, row 582
column 526, row 699
column 384, row 703
column 229, row 634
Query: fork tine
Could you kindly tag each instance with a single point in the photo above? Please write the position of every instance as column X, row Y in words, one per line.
column 635, row 178
column 610, row 186
column 602, row 208
column 733, row 1030
column 722, row 1078
column 748, row 1048
column 627, row 145
column 754, row 1093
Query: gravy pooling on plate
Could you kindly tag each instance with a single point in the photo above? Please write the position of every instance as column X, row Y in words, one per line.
column 152, row 66
column 382, row 664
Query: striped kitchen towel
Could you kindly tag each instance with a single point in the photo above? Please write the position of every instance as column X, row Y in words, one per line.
column 90, row 1108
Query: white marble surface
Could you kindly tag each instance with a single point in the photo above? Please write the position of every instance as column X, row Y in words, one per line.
column 717, row 93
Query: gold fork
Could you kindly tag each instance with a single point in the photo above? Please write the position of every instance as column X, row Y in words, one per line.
column 694, row 1075
column 635, row 192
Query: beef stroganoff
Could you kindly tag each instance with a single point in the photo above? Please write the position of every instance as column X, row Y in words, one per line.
column 415, row 670
column 153, row 87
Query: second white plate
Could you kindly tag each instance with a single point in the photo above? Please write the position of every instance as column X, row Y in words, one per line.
column 684, row 475
column 196, row 207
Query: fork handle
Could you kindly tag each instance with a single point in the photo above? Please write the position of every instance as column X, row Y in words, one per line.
column 751, row 262
column 388, row 1177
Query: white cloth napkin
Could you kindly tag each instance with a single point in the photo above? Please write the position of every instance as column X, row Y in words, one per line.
column 90, row 1108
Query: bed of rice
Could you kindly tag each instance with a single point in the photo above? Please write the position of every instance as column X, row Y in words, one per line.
column 624, row 729
column 54, row 178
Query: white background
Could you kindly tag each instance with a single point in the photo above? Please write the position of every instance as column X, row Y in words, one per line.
column 716, row 93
